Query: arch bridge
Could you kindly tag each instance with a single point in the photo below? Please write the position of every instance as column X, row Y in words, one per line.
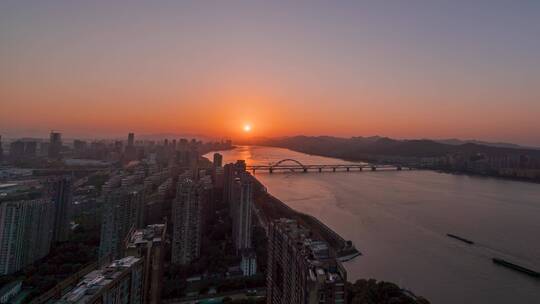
column 293, row 165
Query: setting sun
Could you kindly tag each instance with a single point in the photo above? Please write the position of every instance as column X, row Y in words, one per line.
column 247, row 128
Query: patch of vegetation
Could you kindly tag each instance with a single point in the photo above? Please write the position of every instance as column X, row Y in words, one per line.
column 373, row 292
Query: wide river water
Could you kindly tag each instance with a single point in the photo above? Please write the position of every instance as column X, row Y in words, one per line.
column 399, row 221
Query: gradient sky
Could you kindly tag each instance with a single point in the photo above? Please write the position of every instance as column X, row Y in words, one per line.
column 404, row 69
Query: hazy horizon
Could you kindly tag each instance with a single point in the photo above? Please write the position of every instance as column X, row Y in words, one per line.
column 238, row 139
column 415, row 69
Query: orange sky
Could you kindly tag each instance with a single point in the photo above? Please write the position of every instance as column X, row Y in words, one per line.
column 104, row 69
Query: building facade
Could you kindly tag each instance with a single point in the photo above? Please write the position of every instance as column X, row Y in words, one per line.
column 230, row 173
column 26, row 229
column 121, row 212
column 218, row 160
column 186, row 217
column 61, row 191
column 248, row 264
column 241, row 209
column 301, row 270
column 149, row 244
column 55, row 145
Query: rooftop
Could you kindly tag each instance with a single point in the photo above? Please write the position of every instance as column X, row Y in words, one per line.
column 152, row 233
column 10, row 286
column 323, row 267
column 319, row 249
column 97, row 280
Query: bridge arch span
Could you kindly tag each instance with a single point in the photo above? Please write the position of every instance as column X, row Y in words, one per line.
column 288, row 160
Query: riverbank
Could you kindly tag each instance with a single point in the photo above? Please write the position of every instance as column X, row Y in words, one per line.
column 467, row 173
column 441, row 169
column 273, row 208
column 357, row 291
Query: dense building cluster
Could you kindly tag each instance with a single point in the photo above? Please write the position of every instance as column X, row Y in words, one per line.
column 143, row 187
column 99, row 153
column 158, row 207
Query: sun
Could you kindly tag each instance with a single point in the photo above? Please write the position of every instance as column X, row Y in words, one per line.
column 247, row 128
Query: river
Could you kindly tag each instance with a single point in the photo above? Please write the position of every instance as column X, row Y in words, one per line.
column 399, row 221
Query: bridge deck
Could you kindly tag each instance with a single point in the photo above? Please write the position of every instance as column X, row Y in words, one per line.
column 324, row 168
column 318, row 166
column 294, row 165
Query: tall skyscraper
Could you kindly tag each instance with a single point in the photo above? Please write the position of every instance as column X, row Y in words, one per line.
column 120, row 282
column 61, row 191
column 230, row 173
column 1, row 150
column 149, row 245
column 238, row 193
column 130, row 153
column 131, row 140
column 241, row 211
column 121, row 213
column 55, row 145
column 218, row 160
column 300, row 269
column 186, row 217
column 25, row 232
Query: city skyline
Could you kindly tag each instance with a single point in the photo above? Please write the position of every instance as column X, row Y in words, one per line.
column 269, row 152
column 162, row 214
column 465, row 70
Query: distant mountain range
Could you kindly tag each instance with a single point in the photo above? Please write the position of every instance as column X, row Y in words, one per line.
column 358, row 148
column 457, row 142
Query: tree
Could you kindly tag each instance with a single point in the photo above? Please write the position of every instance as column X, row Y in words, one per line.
column 373, row 292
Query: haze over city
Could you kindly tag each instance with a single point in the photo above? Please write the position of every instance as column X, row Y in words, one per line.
column 269, row 152
column 402, row 69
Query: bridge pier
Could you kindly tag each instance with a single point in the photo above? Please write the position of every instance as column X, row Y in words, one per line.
column 348, row 169
column 305, row 170
column 320, row 169
column 360, row 168
column 334, row 169
column 271, row 170
column 373, row 168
